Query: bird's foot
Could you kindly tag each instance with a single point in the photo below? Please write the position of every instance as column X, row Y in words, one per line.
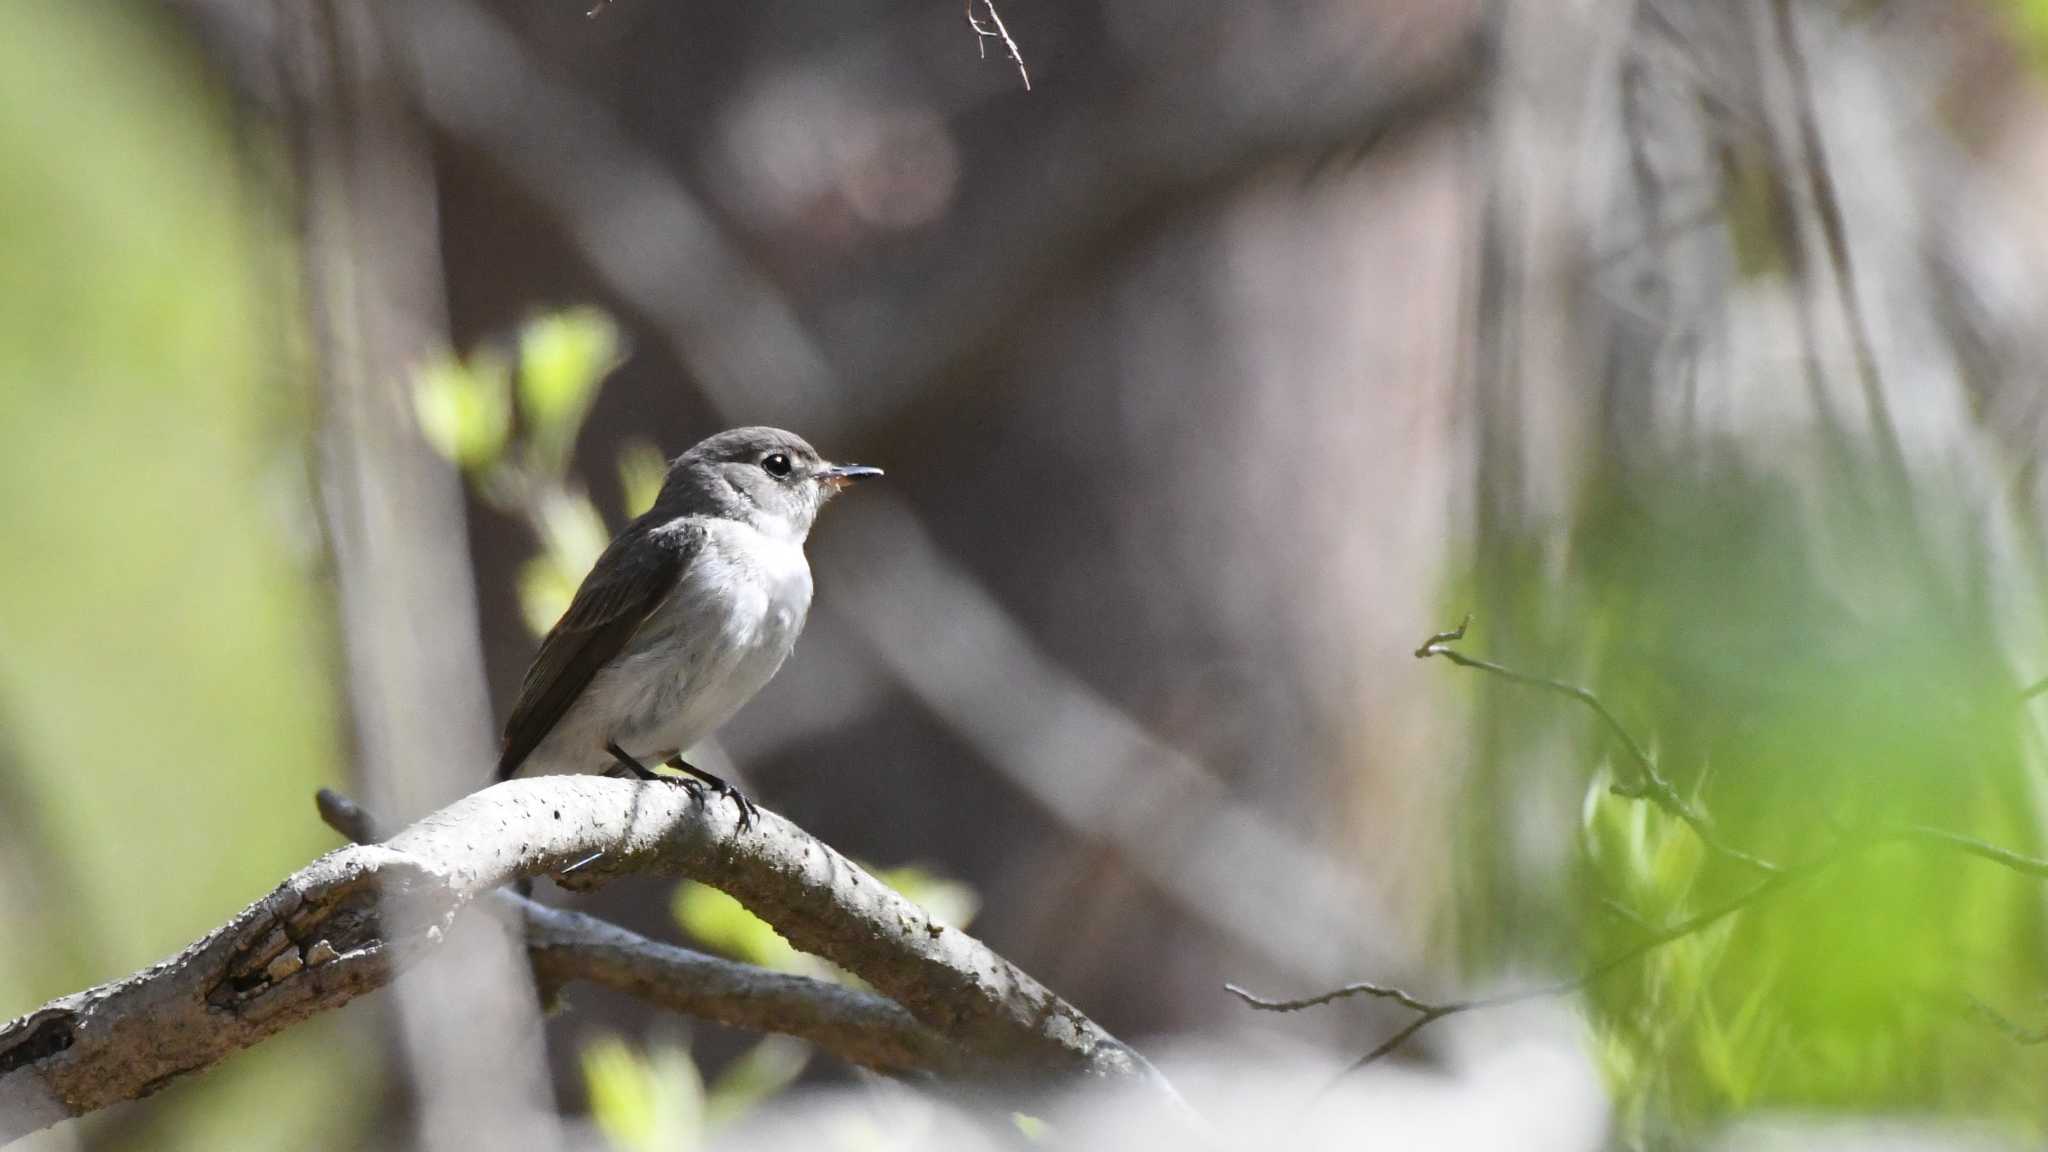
column 749, row 811
column 625, row 760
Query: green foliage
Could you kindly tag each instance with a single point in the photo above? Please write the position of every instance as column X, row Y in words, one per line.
column 2030, row 26
column 1801, row 660
column 772, row 1064
column 724, row 925
column 657, row 1100
column 641, row 471
column 465, row 408
column 948, row 901
column 652, row 1102
column 166, row 704
column 563, row 358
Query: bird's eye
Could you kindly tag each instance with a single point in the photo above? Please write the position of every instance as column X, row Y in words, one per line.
column 776, row 464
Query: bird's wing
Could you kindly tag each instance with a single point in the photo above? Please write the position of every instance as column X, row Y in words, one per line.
column 633, row 576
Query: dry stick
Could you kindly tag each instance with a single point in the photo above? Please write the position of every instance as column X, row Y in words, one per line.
column 1651, row 783
column 345, row 925
column 983, row 34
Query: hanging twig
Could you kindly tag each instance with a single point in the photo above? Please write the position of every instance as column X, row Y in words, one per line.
column 983, row 34
column 1650, row 783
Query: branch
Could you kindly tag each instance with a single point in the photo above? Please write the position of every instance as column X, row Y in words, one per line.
column 346, row 923
column 858, row 1027
column 983, row 34
column 1651, row 783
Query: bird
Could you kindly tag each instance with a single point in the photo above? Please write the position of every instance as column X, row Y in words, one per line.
column 688, row 613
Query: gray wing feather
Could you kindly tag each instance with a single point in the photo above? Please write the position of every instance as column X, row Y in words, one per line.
column 636, row 572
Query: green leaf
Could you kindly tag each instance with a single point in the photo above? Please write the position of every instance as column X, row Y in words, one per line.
column 545, row 591
column 760, row 1072
column 641, row 471
column 464, row 409
column 724, row 925
column 948, row 901
column 572, row 530
column 649, row 1104
column 2030, row 26
column 563, row 357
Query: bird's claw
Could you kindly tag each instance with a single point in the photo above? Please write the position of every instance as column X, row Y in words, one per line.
column 749, row 811
column 698, row 779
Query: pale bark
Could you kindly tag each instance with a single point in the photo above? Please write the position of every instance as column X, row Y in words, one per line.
column 345, row 923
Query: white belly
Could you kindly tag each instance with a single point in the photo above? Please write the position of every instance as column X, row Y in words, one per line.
column 709, row 647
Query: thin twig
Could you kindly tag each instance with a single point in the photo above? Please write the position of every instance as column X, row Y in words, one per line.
column 1650, row 783
column 1429, row 1012
column 983, row 34
column 1375, row 991
column 1967, row 845
column 2015, row 1031
column 1856, row 844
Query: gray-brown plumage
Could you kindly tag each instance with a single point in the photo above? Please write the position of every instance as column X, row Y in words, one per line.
column 688, row 612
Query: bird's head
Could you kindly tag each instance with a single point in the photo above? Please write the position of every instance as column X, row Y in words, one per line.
column 771, row 479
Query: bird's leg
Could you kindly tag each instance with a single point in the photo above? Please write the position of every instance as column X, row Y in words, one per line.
column 625, row 760
column 748, row 810
column 627, row 764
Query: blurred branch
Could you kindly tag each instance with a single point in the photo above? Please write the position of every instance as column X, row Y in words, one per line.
column 348, row 922
column 983, row 34
column 1090, row 764
column 1834, row 236
column 648, row 238
column 858, row 1027
column 1651, row 783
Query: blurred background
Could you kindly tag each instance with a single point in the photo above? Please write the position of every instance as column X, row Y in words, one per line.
column 1691, row 346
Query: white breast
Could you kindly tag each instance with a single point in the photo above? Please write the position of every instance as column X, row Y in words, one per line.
column 711, row 645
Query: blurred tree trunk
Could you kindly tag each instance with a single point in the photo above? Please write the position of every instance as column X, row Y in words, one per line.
column 371, row 252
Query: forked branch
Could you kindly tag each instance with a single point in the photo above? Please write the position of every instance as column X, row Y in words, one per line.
column 349, row 921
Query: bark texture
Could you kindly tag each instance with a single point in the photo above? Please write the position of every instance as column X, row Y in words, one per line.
column 346, row 923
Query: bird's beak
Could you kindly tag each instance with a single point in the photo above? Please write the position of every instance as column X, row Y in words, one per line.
column 839, row 476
